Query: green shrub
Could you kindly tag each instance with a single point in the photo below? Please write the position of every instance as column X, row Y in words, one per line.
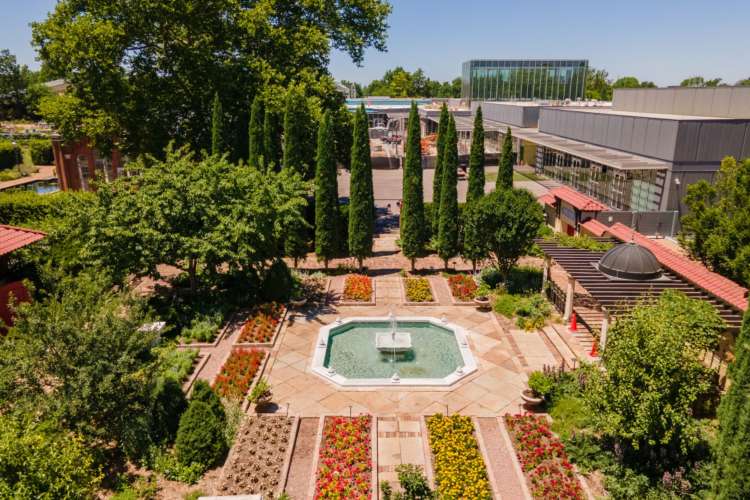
column 532, row 312
column 569, row 415
column 27, row 208
column 583, row 242
column 10, row 175
column 10, row 155
column 176, row 363
column 203, row 328
column 540, row 383
column 277, row 283
column 143, row 488
column 41, row 152
column 168, row 405
column 491, row 276
column 203, row 392
column 200, row 437
column 506, row 304
column 165, row 462
column 523, row 280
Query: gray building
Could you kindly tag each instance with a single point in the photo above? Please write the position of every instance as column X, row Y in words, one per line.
column 518, row 79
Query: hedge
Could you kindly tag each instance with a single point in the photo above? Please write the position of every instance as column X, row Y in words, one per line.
column 25, row 208
column 41, row 152
column 9, row 154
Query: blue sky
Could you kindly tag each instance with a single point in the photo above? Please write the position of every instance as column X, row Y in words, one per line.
column 659, row 40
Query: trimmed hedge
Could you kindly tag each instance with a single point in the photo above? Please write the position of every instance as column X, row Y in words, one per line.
column 9, row 155
column 200, row 437
column 41, row 152
column 25, row 208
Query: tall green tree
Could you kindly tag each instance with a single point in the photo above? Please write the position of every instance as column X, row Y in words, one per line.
column 342, row 126
column 298, row 134
column 598, row 85
column 361, row 198
column 412, row 204
column 272, row 132
column 327, row 244
column 437, row 182
column 476, row 160
column 256, row 156
column 217, row 127
column 733, row 449
column 448, row 241
column 505, row 169
column 145, row 71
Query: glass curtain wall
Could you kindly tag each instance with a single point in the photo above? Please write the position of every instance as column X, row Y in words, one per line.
column 493, row 80
column 634, row 190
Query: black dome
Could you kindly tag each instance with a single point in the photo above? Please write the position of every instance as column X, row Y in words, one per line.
column 630, row 261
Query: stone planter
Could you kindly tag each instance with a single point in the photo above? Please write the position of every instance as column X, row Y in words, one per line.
column 298, row 302
column 530, row 399
column 482, row 302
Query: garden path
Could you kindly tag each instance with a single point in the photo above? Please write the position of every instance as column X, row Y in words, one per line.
column 301, row 473
column 400, row 441
column 509, row 483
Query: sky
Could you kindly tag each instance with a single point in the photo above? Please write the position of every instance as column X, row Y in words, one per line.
column 663, row 41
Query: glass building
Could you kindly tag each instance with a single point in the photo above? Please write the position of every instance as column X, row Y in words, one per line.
column 496, row 80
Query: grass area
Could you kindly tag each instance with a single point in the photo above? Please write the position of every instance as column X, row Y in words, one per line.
column 517, row 177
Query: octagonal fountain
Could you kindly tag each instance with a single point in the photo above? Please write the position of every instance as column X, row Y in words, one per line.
column 390, row 351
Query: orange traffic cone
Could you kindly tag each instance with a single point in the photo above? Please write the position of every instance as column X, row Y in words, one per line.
column 594, row 353
column 573, row 323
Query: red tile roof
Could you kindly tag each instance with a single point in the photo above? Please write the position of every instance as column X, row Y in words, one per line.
column 12, row 238
column 578, row 200
column 690, row 270
column 594, row 227
column 546, row 199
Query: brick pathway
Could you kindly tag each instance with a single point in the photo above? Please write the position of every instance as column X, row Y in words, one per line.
column 499, row 453
column 400, row 441
column 301, row 473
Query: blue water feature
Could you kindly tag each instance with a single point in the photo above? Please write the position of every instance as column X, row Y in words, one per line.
column 351, row 351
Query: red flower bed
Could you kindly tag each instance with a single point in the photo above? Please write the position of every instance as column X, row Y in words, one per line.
column 262, row 325
column 543, row 458
column 358, row 287
column 463, row 287
column 237, row 374
column 345, row 465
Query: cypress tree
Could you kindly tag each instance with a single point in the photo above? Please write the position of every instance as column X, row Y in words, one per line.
column 361, row 199
column 731, row 479
column 256, row 157
column 505, row 171
column 298, row 129
column 217, row 127
column 447, row 244
column 437, row 182
column 412, row 204
column 272, row 139
column 476, row 160
column 326, row 193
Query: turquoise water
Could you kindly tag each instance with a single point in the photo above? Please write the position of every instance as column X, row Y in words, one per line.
column 351, row 351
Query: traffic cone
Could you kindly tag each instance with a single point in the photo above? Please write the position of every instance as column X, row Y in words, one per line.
column 594, row 353
column 573, row 323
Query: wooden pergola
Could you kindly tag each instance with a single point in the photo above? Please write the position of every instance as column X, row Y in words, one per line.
column 617, row 296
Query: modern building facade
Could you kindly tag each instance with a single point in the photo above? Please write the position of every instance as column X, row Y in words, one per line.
column 517, row 79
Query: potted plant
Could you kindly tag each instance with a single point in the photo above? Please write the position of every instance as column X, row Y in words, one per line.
column 482, row 297
column 261, row 394
column 540, row 385
column 298, row 298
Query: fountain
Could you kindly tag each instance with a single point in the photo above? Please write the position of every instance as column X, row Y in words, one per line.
column 393, row 341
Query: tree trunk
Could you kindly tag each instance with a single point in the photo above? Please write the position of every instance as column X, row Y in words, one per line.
column 296, row 260
column 412, row 264
column 192, row 271
column 446, row 263
column 325, row 263
column 473, row 266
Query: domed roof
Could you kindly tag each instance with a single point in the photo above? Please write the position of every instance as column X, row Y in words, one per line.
column 630, row 261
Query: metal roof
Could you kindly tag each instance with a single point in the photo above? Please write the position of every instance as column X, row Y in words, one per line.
column 12, row 238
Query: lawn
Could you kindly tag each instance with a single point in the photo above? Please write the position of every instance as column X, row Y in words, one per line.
column 517, row 177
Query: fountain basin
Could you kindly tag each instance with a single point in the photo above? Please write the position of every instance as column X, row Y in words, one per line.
column 359, row 352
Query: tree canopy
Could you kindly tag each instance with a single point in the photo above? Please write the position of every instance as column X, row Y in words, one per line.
column 412, row 204
column 448, row 232
column 699, row 81
column 145, row 71
column 437, row 182
column 398, row 82
column 716, row 230
column 361, row 202
column 327, row 238
column 20, row 89
column 476, row 160
column 507, row 159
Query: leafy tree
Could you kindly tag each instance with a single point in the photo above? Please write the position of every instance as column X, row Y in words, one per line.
column 200, row 437
column 476, row 160
column 327, row 244
column 716, row 229
column 502, row 224
column 505, row 169
column 298, row 134
column 361, row 198
column 342, row 132
column 167, row 405
column 447, row 243
column 147, row 70
column 398, row 82
column 654, row 374
column 412, row 205
column 626, row 82
column 474, row 247
column 598, row 85
column 437, row 183
column 39, row 461
column 699, row 81
column 217, row 127
column 272, row 139
column 76, row 356
column 257, row 154
column 20, row 89
column 743, row 83
column 733, row 447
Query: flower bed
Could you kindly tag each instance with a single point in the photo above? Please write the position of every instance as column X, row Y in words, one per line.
column 238, row 372
column 543, row 458
column 345, row 463
column 358, row 288
column 262, row 326
column 459, row 468
column 257, row 459
column 418, row 290
column 463, row 287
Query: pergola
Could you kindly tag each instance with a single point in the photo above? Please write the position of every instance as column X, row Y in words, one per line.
column 618, row 296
